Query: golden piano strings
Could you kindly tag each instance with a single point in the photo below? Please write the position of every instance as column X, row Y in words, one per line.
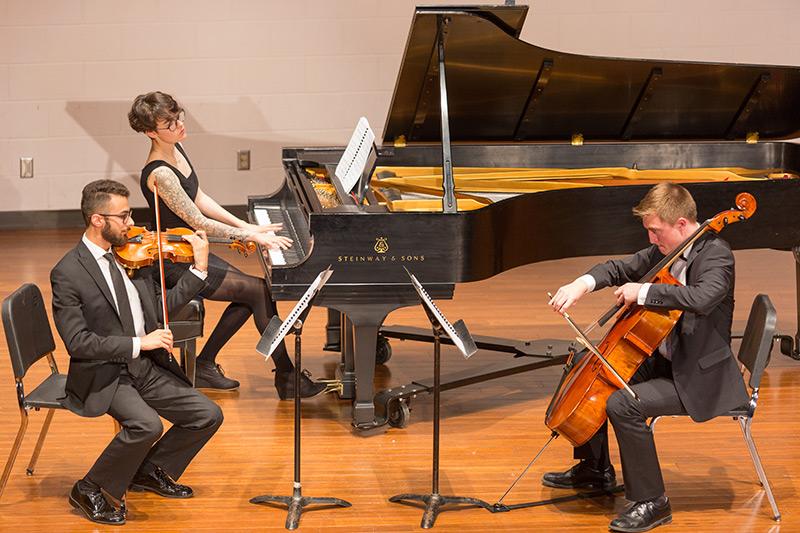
column 419, row 189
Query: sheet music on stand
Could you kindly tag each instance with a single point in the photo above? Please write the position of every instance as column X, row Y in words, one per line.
column 357, row 158
column 277, row 330
column 457, row 332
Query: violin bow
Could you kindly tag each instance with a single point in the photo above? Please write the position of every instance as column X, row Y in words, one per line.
column 160, row 256
column 581, row 337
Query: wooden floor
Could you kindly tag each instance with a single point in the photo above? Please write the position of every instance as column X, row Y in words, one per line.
column 490, row 431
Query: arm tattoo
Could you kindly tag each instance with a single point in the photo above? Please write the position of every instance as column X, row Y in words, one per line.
column 173, row 195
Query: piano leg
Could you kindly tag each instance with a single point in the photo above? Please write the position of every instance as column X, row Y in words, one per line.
column 362, row 322
column 791, row 345
column 346, row 372
column 365, row 339
column 333, row 331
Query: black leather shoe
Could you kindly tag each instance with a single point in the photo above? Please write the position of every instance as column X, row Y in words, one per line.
column 643, row 516
column 582, row 476
column 159, row 482
column 284, row 383
column 211, row 376
column 94, row 506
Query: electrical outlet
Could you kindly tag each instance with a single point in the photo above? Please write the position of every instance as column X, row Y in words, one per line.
column 25, row 167
column 243, row 160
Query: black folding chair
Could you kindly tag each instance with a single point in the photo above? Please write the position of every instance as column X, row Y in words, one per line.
column 754, row 354
column 30, row 339
column 187, row 326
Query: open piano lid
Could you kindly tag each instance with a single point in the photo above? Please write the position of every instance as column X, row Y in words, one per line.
column 501, row 89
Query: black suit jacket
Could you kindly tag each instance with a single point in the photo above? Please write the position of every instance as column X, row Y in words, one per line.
column 87, row 320
column 706, row 375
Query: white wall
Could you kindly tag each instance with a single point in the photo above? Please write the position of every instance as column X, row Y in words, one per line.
column 262, row 74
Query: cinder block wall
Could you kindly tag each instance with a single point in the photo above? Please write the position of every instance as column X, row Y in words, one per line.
column 262, row 74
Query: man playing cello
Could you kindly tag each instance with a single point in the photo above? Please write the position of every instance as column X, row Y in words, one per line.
column 692, row 371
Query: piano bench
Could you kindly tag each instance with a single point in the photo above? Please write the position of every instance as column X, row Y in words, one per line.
column 186, row 326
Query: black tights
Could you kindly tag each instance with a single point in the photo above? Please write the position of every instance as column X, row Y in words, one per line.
column 248, row 295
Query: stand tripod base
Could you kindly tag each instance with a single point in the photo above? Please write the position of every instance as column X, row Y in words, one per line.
column 297, row 503
column 435, row 502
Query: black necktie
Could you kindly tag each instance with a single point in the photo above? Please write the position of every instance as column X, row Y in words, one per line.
column 123, row 304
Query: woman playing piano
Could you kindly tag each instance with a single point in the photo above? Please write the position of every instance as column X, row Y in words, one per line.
column 183, row 203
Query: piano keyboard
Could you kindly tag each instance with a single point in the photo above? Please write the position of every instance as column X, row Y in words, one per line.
column 267, row 214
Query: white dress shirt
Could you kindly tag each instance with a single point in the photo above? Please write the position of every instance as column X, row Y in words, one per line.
column 678, row 271
column 133, row 295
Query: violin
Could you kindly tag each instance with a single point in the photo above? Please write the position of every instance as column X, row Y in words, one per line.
column 142, row 248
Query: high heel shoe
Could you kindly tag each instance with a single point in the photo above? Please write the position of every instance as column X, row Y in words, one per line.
column 284, row 384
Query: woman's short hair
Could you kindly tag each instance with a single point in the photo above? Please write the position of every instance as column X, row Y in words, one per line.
column 97, row 194
column 148, row 109
column 669, row 201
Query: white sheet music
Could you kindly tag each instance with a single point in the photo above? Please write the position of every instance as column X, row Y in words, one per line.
column 447, row 327
column 301, row 305
column 354, row 158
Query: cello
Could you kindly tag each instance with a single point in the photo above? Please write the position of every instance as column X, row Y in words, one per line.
column 578, row 407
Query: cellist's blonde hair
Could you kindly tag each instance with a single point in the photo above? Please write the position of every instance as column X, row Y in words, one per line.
column 669, row 201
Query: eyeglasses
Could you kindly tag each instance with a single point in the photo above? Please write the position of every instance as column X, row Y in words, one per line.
column 173, row 124
column 124, row 216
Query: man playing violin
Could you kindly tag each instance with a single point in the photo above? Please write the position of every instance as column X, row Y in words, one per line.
column 121, row 364
column 692, row 371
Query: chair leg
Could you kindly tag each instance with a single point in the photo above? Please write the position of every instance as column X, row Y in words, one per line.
column 40, row 441
column 189, row 358
column 745, row 423
column 652, row 424
column 23, row 425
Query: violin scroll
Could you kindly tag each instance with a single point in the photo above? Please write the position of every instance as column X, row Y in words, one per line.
column 244, row 248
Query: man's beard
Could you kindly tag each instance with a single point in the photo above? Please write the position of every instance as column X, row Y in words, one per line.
column 117, row 239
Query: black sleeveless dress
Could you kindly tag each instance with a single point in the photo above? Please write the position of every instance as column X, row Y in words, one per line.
column 217, row 267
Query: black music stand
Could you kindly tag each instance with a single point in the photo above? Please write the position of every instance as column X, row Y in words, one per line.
column 463, row 340
column 272, row 336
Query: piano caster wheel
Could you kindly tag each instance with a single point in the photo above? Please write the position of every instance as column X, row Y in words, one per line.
column 383, row 351
column 399, row 413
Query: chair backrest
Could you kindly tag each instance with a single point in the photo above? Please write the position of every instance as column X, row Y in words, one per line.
column 28, row 332
column 757, row 339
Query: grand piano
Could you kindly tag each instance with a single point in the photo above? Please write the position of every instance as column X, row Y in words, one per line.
column 497, row 153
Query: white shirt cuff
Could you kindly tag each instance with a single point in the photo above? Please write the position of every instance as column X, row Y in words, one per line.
column 642, row 297
column 589, row 281
column 199, row 273
column 137, row 347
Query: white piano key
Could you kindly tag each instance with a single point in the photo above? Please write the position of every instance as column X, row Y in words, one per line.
column 276, row 256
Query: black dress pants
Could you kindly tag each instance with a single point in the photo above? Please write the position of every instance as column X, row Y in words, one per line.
column 655, row 388
column 138, row 404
